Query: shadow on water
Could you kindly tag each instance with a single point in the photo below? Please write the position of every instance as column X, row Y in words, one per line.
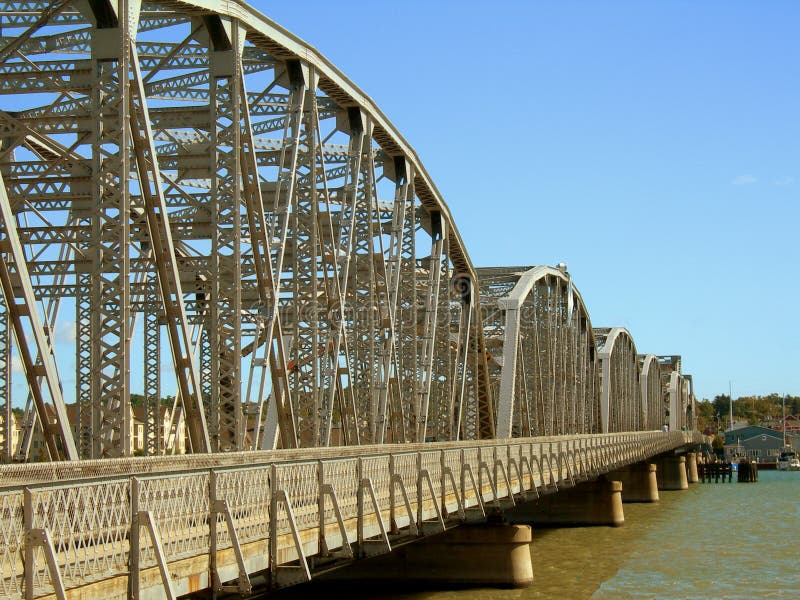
column 730, row 540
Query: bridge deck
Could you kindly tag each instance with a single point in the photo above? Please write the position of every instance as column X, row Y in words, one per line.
column 284, row 508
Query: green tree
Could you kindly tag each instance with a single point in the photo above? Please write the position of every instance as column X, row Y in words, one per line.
column 718, row 446
column 756, row 410
column 721, row 404
column 705, row 415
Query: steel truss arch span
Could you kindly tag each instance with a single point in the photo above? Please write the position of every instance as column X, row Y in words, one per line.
column 619, row 380
column 198, row 204
column 654, row 410
column 681, row 401
column 690, row 412
column 544, row 363
column 191, row 171
column 677, row 392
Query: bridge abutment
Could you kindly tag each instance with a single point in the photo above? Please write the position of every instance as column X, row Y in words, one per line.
column 672, row 472
column 639, row 482
column 493, row 555
column 596, row 502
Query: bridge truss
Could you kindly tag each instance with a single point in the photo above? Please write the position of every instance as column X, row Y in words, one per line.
column 542, row 352
column 196, row 203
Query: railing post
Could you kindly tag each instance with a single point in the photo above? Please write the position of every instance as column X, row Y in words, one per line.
column 442, row 485
column 589, row 453
column 480, row 473
column 492, row 474
column 597, row 454
column 497, row 450
column 584, row 458
column 212, row 527
column 27, row 523
column 419, row 492
column 514, row 458
column 561, row 459
column 135, row 543
column 530, row 468
column 360, row 503
column 392, row 516
column 463, row 481
column 38, row 537
column 323, row 544
column 273, row 523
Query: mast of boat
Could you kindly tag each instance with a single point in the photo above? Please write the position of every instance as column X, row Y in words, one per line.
column 730, row 396
column 783, row 416
column 730, row 420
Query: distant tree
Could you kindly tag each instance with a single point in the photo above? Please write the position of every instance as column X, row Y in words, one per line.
column 721, row 404
column 718, row 446
column 705, row 408
column 756, row 410
column 705, row 415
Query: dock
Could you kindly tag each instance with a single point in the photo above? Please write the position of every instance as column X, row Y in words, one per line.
column 713, row 472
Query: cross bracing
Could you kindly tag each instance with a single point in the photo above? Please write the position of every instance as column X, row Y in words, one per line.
column 216, row 213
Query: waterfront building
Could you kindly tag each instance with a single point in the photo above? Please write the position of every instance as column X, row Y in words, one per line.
column 13, row 432
column 757, row 443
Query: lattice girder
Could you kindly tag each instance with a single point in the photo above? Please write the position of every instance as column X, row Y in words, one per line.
column 182, row 165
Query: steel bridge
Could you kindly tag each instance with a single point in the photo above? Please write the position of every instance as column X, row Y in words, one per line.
column 197, row 204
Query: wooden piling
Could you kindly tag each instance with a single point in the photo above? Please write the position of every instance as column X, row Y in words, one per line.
column 716, row 471
column 747, row 472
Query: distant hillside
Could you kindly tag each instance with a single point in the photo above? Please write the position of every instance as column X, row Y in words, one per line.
column 754, row 410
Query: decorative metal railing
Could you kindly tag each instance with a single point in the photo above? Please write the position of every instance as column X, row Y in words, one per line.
column 172, row 528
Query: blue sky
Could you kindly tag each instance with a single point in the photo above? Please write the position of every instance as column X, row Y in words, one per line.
column 653, row 147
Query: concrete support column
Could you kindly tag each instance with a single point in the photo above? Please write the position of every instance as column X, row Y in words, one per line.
column 639, row 482
column 592, row 503
column 493, row 555
column 672, row 473
column 691, row 467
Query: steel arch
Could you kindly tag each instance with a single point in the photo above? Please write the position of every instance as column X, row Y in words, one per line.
column 544, row 363
column 217, row 210
column 681, row 401
column 677, row 390
column 619, row 380
column 653, row 406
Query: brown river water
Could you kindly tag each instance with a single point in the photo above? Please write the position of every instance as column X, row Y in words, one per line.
column 731, row 540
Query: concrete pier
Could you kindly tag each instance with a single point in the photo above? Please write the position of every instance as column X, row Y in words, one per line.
column 691, row 468
column 490, row 555
column 639, row 482
column 672, row 472
column 591, row 503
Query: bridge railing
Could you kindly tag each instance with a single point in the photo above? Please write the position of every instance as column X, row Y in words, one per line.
column 67, row 534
